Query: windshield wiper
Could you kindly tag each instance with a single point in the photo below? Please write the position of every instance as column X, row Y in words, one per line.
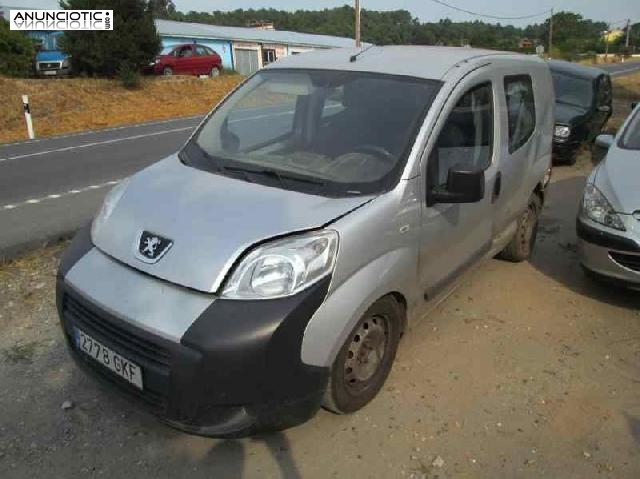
column 281, row 177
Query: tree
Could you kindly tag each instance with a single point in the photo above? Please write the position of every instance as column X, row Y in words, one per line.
column 16, row 52
column 162, row 8
column 132, row 43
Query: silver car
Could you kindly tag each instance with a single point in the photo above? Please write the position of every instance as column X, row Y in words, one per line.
column 272, row 265
column 608, row 224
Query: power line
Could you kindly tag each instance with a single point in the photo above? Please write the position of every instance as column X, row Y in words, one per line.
column 495, row 17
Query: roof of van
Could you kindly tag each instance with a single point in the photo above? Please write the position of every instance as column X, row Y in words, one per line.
column 576, row 69
column 418, row 61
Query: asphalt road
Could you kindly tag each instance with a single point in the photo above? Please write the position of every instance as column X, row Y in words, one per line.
column 619, row 69
column 50, row 187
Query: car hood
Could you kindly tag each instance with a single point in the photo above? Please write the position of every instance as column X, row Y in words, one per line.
column 617, row 179
column 568, row 114
column 50, row 56
column 211, row 219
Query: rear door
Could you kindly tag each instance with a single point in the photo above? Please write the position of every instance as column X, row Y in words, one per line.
column 455, row 236
column 203, row 60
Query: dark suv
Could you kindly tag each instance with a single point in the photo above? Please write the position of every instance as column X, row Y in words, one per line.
column 583, row 106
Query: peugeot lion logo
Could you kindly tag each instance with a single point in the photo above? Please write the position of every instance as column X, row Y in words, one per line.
column 150, row 247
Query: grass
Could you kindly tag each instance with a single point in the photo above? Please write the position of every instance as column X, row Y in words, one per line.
column 76, row 104
column 626, row 89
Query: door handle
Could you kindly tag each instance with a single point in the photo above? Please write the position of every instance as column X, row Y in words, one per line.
column 497, row 187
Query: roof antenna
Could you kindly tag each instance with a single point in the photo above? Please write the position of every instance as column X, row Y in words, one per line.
column 354, row 57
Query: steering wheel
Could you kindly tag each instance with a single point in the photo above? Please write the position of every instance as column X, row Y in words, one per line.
column 375, row 150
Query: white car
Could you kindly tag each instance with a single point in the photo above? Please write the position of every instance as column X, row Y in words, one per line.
column 608, row 224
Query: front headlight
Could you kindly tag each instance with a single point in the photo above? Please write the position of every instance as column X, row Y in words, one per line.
column 283, row 267
column 562, row 131
column 65, row 63
column 109, row 204
column 597, row 208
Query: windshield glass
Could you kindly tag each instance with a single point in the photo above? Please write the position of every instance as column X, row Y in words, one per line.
column 323, row 132
column 167, row 50
column 631, row 138
column 573, row 90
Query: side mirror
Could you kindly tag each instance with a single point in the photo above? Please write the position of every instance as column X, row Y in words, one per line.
column 463, row 186
column 604, row 141
column 600, row 147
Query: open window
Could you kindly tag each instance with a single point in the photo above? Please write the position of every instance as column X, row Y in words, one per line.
column 466, row 139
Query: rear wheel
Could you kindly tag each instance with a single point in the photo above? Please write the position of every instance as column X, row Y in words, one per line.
column 215, row 71
column 365, row 359
column 167, row 71
column 523, row 242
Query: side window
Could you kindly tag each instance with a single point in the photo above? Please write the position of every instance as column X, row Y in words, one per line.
column 201, row 51
column 521, row 110
column 604, row 91
column 466, row 139
column 185, row 52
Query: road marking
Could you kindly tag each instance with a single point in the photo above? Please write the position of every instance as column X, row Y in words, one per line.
column 97, row 143
column 621, row 72
column 75, row 191
column 102, row 130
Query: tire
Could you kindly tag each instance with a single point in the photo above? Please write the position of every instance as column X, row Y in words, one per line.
column 524, row 240
column 215, row 72
column 167, row 71
column 364, row 361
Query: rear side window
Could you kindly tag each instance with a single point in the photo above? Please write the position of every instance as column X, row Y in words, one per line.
column 521, row 110
column 201, row 51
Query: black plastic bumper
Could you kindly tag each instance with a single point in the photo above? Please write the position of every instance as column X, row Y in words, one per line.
column 236, row 371
column 605, row 239
column 565, row 151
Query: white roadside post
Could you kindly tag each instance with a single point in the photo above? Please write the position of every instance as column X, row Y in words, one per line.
column 27, row 116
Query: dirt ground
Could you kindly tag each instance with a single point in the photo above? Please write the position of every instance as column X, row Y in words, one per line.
column 528, row 370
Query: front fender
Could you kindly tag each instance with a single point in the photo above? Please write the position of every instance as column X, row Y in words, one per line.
column 337, row 316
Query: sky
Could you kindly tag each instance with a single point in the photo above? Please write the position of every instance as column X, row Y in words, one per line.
column 614, row 11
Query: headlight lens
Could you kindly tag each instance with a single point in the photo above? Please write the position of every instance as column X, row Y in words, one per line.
column 562, row 131
column 283, row 267
column 65, row 63
column 597, row 208
column 109, row 204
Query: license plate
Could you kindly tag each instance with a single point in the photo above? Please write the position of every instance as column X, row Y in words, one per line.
column 97, row 351
column 50, row 72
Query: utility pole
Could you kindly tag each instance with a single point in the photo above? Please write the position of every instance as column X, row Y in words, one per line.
column 550, row 32
column 606, row 42
column 357, row 23
column 626, row 42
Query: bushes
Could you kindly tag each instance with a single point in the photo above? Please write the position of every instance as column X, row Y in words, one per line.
column 16, row 52
column 133, row 40
column 129, row 76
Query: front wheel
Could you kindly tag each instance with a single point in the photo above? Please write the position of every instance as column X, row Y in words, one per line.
column 523, row 242
column 167, row 71
column 365, row 359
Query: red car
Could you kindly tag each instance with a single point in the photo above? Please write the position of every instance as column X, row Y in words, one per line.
column 188, row 59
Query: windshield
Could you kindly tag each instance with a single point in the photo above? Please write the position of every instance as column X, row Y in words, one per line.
column 631, row 138
column 323, row 132
column 573, row 90
column 167, row 50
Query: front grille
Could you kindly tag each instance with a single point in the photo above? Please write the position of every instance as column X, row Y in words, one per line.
column 630, row 261
column 49, row 65
column 153, row 358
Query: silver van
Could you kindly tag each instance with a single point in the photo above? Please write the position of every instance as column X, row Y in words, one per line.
column 271, row 266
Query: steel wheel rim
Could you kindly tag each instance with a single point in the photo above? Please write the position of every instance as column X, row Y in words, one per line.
column 366, row 353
